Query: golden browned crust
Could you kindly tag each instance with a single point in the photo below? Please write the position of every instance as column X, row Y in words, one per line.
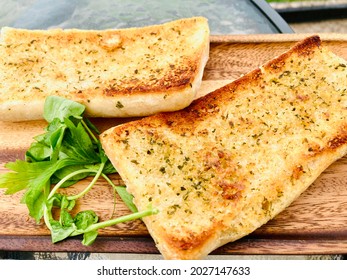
column 235, row 158
column 115, row 73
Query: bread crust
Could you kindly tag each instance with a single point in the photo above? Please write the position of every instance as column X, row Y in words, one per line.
column 235, row 158
column 115, row 73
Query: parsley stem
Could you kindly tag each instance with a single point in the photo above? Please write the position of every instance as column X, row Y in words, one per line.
column 89, row 131
column 91, row 184
column 46, row 217
column 122, row 219
column 125, row 196
column 67, row 177
column 108, row 180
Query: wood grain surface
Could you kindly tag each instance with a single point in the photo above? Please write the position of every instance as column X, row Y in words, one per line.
column 314, row 224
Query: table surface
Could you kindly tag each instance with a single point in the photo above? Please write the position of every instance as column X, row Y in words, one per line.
column 225, row 16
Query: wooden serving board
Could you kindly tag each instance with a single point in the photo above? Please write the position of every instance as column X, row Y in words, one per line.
column 316, row 223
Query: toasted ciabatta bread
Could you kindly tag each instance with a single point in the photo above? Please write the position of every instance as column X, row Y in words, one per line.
column 235, row 158
column 115, row 73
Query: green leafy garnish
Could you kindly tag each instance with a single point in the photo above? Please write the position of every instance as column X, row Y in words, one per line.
column 66, row 153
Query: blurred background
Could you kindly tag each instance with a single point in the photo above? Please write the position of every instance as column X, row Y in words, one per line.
column 305, row 16
column 225, row 16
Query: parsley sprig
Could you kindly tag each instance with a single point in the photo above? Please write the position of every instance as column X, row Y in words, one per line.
column 66, row 153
